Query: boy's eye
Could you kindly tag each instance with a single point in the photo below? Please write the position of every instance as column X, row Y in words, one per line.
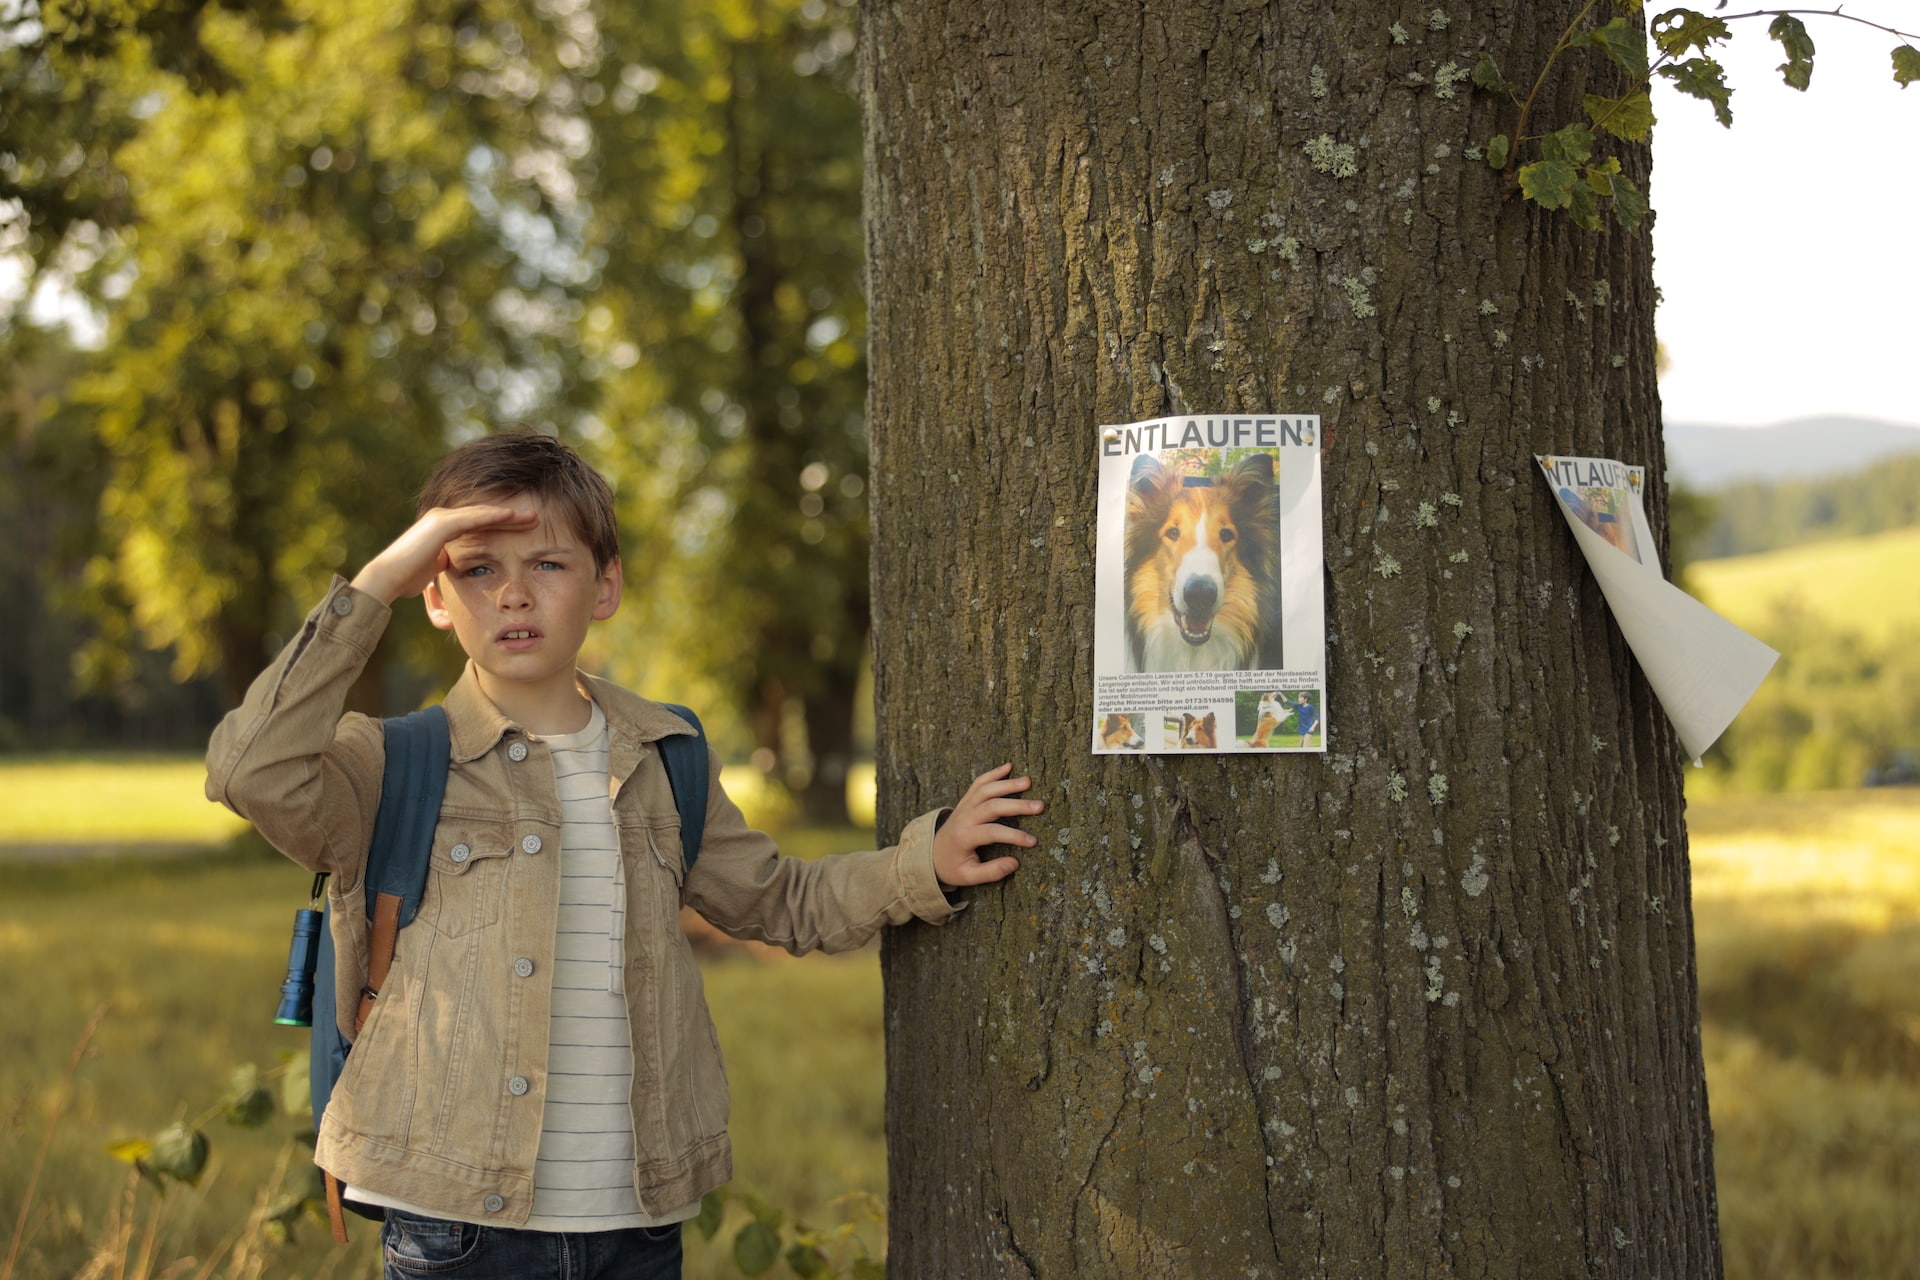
column 475, row 570
column 551, row 564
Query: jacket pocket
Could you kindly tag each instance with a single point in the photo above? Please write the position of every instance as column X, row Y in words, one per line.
column 466, row 876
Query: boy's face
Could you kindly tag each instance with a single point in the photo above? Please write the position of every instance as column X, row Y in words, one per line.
column 520, row 600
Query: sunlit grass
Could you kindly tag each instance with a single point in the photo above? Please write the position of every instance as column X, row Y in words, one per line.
column 1847, row 857
column 160, row 800
column 110, row 800
column 188, row 953
column 1861, row 584
column 1807, row 912
column 1807, row 928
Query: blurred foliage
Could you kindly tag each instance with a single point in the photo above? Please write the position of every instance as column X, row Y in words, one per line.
column 728, row 206
column 1690, row 513
column 1756, row 516
column 1838, row 710
column 306, row 247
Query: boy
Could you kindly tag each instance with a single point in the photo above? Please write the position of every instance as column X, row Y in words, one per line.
column 537, row 1090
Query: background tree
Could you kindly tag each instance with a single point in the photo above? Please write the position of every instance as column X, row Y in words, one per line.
column 1424, row 1005
column 352, row 247
column 727, row 199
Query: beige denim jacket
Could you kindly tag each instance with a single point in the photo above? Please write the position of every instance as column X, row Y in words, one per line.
column 441, row 1099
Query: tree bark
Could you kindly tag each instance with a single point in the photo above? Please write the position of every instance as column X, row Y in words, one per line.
column 1424, row 1005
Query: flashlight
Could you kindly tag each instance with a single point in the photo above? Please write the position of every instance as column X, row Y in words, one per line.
column 296, row 993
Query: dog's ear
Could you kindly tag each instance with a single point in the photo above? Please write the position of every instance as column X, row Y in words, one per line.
column 1149, row 483
column 1208, row 723
column 1251, row 479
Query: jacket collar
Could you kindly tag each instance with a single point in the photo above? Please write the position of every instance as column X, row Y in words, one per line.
column 476, row 725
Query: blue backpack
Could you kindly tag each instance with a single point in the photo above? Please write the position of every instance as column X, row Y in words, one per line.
column 419, row 749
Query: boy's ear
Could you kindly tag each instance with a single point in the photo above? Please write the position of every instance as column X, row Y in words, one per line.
column 436, row 606
column 607, row 602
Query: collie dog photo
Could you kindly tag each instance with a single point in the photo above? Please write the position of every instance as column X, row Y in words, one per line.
column 1203, row 561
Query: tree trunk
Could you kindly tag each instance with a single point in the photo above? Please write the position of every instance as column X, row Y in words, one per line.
column 1424, row 1005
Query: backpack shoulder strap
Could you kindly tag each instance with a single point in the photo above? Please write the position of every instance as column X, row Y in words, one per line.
column 685, row 756
column 419, row 749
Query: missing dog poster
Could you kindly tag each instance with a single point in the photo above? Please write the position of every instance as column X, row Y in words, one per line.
column 1702, row 667
column 1209, row 597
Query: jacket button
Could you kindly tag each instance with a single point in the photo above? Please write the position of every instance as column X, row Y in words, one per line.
column 494, row 1203
column 531, row 844
column 342, row 604
column 460, row 853
column 523, row 967
column 518, row 1086
column 517, row 752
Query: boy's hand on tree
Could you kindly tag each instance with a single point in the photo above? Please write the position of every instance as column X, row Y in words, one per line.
column 974, row 824
column 407, row 566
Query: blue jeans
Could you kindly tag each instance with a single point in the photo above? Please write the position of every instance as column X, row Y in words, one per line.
column 417, row 1246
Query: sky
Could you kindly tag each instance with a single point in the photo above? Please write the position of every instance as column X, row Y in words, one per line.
column 1786, row 247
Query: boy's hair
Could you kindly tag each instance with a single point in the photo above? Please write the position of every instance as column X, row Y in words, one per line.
column 518, row 460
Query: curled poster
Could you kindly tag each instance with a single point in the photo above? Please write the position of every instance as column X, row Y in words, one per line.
column 1702, row 667
column 1209, row 606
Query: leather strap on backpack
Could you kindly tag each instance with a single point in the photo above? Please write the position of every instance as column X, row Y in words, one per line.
column 380, row 948
column 336, row 1207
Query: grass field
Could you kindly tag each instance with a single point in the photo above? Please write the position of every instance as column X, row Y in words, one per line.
column 1808, row 914
column 1864, row 585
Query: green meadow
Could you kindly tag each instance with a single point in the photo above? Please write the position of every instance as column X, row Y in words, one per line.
column 1808, row 912
column 1865, row 584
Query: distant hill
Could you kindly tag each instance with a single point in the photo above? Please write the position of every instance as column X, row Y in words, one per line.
column 1711, row 457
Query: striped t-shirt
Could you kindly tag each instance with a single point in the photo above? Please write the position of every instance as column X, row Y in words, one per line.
column 583, row 1178
column 583, row 1175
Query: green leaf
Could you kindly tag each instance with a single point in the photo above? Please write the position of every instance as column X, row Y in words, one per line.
column 1571, row 145
column 1677, row 31
column 179, row 1153
column 1705, row 79
column 1906, row 65
column 1630, row 117
column 764, row 1211
column 1486, row 74
column 245, row 1103
column 713, row 1206
column 296, row 1086
column 1548, row 183
column 1629, row 206
column 1584, row 207
column 806, row 1261
column 756, row 1249
column 1797, row 70
column 1498, row 150
column 1623, row 43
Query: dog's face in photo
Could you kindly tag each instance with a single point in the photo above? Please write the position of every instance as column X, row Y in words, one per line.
column 1199, row 733
column 1200, row 560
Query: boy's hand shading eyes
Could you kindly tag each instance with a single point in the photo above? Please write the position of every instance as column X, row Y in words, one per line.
column 410, row 563
column 975, row 823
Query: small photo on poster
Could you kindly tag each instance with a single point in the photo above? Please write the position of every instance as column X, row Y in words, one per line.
column 1264, row 718
column 1121, row 731
column 1197, row 729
